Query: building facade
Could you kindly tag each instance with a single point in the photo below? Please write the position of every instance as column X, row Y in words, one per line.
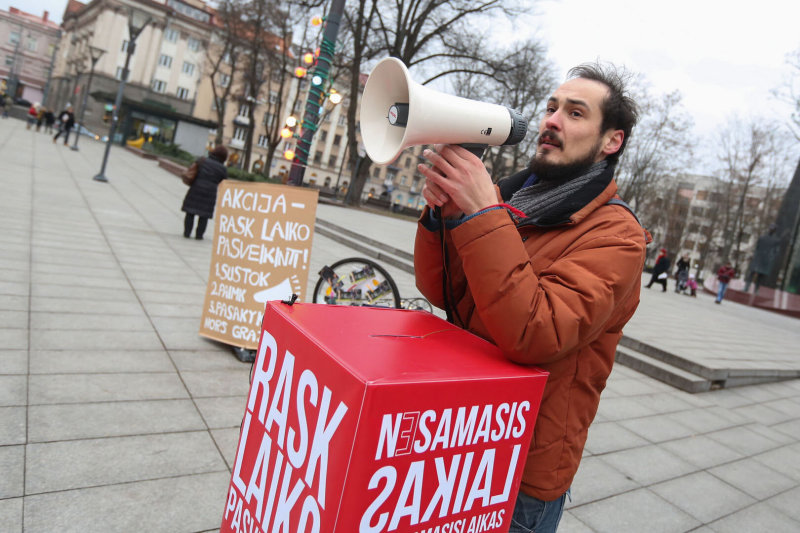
column 27, row 47
column 165, row 67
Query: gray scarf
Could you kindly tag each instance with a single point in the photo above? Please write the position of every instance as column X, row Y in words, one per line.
column 548, row 203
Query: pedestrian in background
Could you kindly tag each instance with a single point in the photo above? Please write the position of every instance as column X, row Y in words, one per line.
column 33, row 112
column 49, row 120
column 681, row 273
column 660, row 270
column 724, row 275
column 67, row 119
column 201, row 198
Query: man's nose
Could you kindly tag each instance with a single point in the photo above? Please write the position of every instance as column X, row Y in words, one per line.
column 553, row 122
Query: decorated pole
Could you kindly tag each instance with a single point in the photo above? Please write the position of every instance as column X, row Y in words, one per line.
column 316, row 94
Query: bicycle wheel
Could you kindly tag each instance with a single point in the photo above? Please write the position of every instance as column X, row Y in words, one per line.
column 356, row 281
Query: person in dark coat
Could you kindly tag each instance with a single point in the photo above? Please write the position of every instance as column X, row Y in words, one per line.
column 682, row 273
column 202, row 195
column 67, row 118
column 660, row 270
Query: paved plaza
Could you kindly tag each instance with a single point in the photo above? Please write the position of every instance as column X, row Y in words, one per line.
column 115, row 416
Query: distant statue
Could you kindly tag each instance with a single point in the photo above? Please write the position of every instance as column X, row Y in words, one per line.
column 764, row 258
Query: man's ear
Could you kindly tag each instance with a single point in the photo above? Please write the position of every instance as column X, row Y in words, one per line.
column 612, row 141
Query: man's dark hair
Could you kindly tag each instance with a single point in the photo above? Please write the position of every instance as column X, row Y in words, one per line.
column 619, row 110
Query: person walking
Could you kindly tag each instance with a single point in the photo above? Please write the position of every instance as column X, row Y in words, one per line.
column 33, row 113
column 660, row 270
column 682, row 273
column 201, row 198
column 724, row 275
column 49, row 120
column 67, row 118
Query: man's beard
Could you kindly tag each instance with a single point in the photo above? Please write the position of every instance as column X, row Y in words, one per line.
column 562, row 172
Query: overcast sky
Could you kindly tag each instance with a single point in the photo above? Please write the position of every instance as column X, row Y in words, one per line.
column 723, row 56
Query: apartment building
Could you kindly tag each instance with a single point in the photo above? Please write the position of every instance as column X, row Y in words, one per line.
column 27, row 46
column 165, row 69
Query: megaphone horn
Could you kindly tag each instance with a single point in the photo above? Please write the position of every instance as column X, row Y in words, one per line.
column 397, row 112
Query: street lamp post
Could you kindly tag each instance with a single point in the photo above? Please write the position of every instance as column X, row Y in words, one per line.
column 94, row 55
column 135, row 26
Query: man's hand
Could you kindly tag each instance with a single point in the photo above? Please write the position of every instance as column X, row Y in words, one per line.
column 457, row 181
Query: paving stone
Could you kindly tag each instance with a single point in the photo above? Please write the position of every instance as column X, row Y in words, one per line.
column 14, row 338
column 92, row 293
column 605, row 437
column 596, row 480
column 13, row 319
column 12, row 425
column 186, row 503
column 222, row 412
column 217, row 383
column 84, row 388
column 201, row 360
column 656, row 428
column 87, row 463
column 86, row 306
column 703, row 496
column 107, row 340
column 100, row 361
column 12, row 466
column 744, row 439
column 758, row 517
column 634, row 512
column 762, row 414
column 785, row 460
column 11, row 515
column 14, row 288
column 622, row 408
column 13, row 361
column 702, row 451
column 790, row 429
column 227, row 440
column 14, row 303
column 704, row 420
column 648, row 464
column 91, row 420
column 570, row 524
column 13, row 390
column 87, row 321
column 753, row 477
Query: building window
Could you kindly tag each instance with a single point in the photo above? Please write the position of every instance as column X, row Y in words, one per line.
column 32, row 44
column 244, row 110
column 240, row 134
column 403, row 180
column 124, row 46
column 13, row 37
column 342, row 120
column 224, row 80
column 159, row 86
column 262, row 141
column 408, row 162
column 332, row 161
column 337, row 139
column 165, row 61
column 267, row 119
column 183, row 93
column 171, row 35
column 193, row 44
column 318, row 157
column 323, row 135
column 377, row 172
column 188, row 68
column 9, row 60
column 273, row 97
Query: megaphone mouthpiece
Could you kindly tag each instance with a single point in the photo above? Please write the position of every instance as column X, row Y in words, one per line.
column 397, row 113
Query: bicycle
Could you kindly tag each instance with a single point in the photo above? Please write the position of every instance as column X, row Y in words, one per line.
column 362, row 282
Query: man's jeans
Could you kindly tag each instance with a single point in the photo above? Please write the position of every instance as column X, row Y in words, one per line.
column 535, row 516
column 721, row 293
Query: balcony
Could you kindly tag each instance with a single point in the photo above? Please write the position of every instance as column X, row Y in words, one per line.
column 236, row 143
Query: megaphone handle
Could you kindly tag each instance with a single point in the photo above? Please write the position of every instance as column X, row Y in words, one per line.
column 476, row 149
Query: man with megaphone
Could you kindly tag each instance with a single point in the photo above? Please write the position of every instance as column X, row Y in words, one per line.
column 547, row 265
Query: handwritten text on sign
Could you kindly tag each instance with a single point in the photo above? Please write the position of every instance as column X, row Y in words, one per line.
column 262, row 247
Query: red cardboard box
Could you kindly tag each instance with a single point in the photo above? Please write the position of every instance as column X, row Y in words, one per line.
column 379, row 420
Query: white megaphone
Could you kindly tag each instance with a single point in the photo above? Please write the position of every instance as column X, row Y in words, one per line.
column 397, row 112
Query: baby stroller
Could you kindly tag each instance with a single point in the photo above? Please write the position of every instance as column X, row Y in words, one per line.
column 683, row 278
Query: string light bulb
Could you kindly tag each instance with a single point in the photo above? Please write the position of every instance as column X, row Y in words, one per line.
column 289, row 154
column 291, row 121
column 316, row 21
column 300, row 72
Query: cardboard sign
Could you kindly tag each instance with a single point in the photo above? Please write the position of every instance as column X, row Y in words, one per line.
column 262, row 248
column 379, row 420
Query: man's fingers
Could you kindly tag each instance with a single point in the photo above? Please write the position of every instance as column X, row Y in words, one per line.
column 434, row 195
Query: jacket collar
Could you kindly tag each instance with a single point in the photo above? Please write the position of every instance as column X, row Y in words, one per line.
column 591, row 196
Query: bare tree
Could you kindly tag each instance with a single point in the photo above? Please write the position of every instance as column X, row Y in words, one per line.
column 418, row 33
column 789, row 91
column 222, row 58
column 660, row 146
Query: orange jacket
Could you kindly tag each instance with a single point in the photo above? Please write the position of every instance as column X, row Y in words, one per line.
column 554, row 297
